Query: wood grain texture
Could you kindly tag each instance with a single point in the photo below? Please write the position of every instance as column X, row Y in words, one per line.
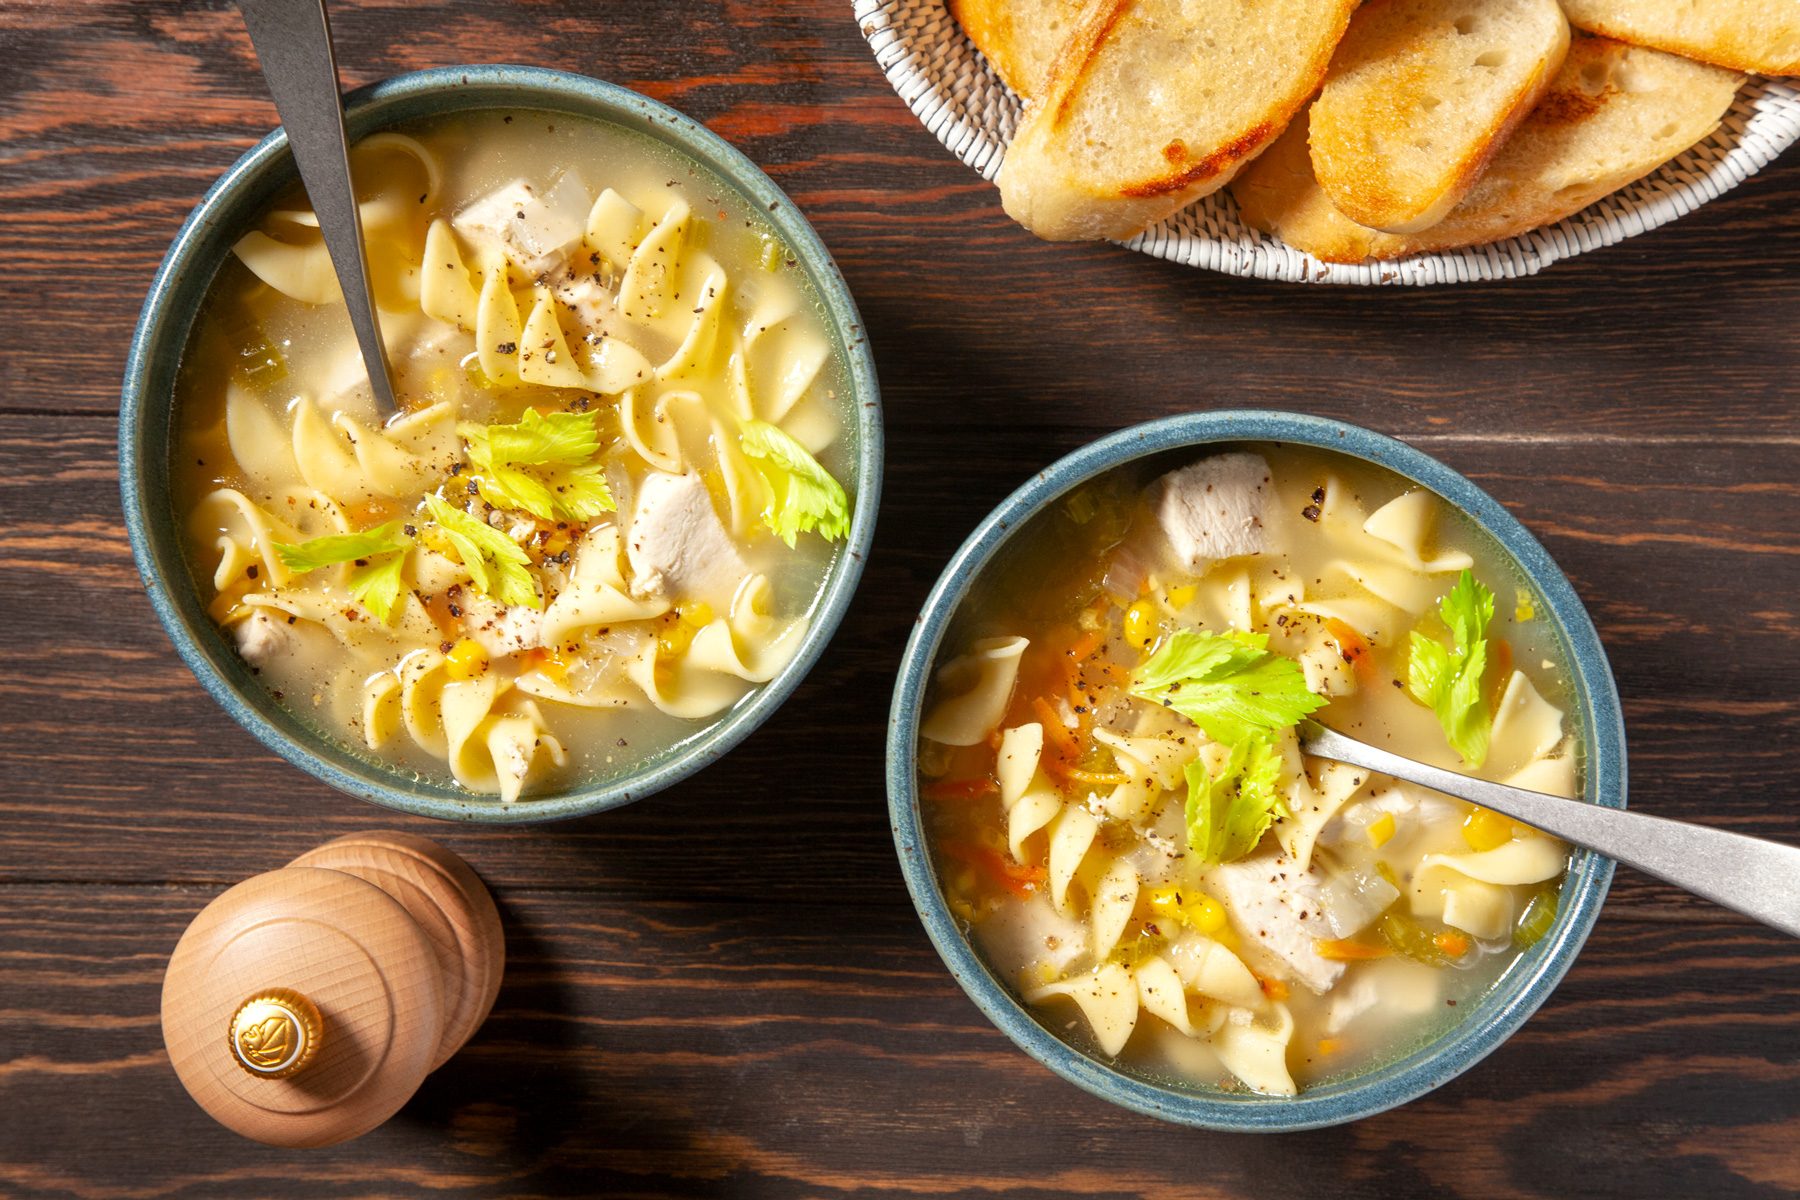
column 723, row 991
column 704, row 1049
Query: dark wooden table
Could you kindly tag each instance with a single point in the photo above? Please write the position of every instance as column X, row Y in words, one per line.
column 724, row 991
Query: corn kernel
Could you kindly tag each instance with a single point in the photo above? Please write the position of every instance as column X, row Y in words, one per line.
column 676, row 636
column 1165, row 902
column 1140, row 624
column 1381, row 830
column 1485, row 830
column 466, row 660
column 1180, row 597
column 697, row 615
column 1204, row 914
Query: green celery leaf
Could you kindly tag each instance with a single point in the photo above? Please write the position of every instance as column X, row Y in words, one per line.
column 582, row 492
column 805, row 496
column 507, row 487
column 341, row 548
column 561, row 482
column 1228, row 813
column 1447, row 679
column 1231, row 685
column 376, row 586
column 556, row 439
column 496, row 563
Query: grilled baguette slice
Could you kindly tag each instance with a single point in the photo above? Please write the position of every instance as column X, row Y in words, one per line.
column 1744, row 35
column 1154, row 103
column 1019, row 37
column 1614, row 114
column 1420, row 95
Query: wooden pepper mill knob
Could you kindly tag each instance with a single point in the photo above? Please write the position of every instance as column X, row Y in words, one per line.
column 305, row 1006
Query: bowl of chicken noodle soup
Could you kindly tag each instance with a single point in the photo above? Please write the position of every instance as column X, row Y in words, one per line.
column 625, row 500
column 1107, row 824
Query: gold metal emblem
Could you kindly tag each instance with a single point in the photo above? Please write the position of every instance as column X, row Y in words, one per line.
column 275, row 1033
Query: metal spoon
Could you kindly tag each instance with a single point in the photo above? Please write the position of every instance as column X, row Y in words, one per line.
column 293, row 43
column 1758, row 878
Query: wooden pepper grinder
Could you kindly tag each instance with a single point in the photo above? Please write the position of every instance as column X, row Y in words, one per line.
column 304, row 1007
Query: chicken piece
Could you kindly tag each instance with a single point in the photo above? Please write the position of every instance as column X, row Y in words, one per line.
column 533, row 230
column 677, row 545
column 1213, row 509
column 588, row 299
column 499, row 629
column 1027, row 933
column 262, row 638
column 1276, row 909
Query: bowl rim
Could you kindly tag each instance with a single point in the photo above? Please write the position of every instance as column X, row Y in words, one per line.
column 160, row 338
column 1521, row 989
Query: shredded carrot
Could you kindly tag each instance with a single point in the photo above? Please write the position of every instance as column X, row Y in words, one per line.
column 974, row 788
column 1055, row 732
column 1274, row 989
column 1454, row 944
column 1347, row 950
column 1330, row 1046
column 1352, row 645
column 1084, row 646
column 1014, row 877
column 1502, row 670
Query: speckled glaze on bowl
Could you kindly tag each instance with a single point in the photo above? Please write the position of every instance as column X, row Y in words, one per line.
column 1514, row 997
column 146, row 431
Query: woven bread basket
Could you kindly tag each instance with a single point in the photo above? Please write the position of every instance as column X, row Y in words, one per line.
column 950, row 87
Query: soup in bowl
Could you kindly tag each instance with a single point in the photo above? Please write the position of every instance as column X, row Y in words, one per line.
column 625, row 498
column 1110, row 828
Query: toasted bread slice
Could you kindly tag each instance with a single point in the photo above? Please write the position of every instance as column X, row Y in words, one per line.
column 1154, row 103
column 1744, row 35
column 1019, row 37
column 1419, row 96
column 1614, row 114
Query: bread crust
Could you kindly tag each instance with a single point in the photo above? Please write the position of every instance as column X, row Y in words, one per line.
column 1019, row 38
column 1385, row 91
column 1760, row 36
column 1051, row 189
column 1528, row 184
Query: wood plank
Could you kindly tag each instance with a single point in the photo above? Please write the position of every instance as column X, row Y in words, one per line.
column 658, row 1049
column 1690, row 579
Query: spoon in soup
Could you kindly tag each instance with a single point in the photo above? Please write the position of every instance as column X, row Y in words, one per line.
column 1758, row 878
column 293, row 44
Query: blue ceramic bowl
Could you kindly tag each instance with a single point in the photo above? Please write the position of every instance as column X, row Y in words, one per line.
column 1513, row 998
column 146, row 433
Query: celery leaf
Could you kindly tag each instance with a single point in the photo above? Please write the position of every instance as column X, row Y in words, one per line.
column 1447, row 679
column 804, row 495
column 1229, row 684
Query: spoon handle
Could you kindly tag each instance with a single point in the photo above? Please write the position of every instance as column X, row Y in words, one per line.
column 1758, row 878
column 293, row 43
